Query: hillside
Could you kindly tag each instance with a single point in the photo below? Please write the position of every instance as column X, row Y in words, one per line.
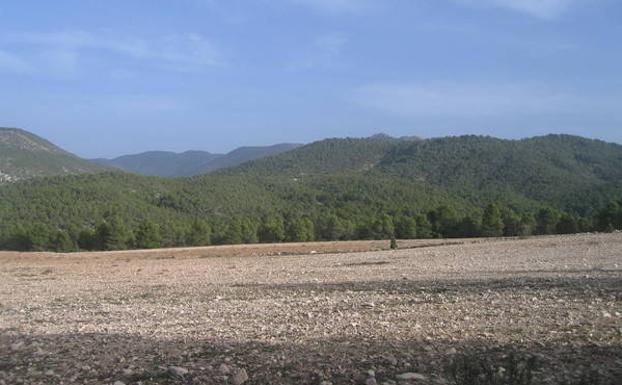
column 161, row 163
column 189, row 163
column 24, row 155
column 329, row 156
column 566, row 171
column 332, row 189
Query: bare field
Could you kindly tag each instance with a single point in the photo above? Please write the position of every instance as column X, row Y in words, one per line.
column 545, row 310
column 248, row 250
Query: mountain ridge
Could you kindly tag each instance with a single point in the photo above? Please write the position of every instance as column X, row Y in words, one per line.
column 24, row 155
column 191, row 162
column 339, row 188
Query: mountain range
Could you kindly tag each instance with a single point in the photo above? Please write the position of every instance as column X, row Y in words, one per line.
column 24, row 155
column 190, row 163
column 341, row 188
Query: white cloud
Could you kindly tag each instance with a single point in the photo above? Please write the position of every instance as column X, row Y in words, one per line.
column 472, row 100
column 545, row 9
column 181, row 52
column 61, row 61
column 336, row 6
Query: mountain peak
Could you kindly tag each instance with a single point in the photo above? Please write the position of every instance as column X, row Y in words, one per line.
column 381, row 136
column 25, row 155
column 21, row 139
column 384, row 136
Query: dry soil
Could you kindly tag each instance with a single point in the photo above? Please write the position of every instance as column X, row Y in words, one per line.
column 545, row 310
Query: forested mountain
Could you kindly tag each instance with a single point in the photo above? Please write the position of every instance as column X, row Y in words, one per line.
column 189, row 163
column 24, row 155
column 161, row 163
column 329, row 156
column 376, row 187
column 569, row 172
column 566, row 171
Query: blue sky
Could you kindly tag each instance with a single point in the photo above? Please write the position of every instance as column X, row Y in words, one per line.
column 110, row 77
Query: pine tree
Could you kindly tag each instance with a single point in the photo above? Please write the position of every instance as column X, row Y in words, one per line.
column 610, row 217
column 233, row 232
column 444, row 221
column 393, row 244
column 567, row 224
column 492, row 223
column 424, row 227
column 113, row 234
column 148, row 236
column 527, row 225
column 300, row 229
column 272, row 229
column 20, row 239
column 249, row 231
column 61, row 242
column 87, row 239
column 511, row 222
column 405, row 227
column 387, row 229
column 469, row 227
column 200, row 233
column 546, row 221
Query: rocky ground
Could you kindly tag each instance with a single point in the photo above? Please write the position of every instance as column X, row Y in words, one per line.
column 539, row 310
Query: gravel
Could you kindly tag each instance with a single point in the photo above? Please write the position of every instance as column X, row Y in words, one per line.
column 550, row 305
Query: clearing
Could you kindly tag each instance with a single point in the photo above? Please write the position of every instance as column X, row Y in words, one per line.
column 545, row 310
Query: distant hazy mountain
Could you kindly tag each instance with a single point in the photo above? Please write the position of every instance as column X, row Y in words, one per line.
column 161, row 163
column 189, row 163
column 24, row 155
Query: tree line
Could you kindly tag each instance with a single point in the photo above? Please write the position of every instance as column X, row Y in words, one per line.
column 495, row 220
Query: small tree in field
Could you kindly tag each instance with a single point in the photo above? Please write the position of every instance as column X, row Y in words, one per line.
column 393, row 244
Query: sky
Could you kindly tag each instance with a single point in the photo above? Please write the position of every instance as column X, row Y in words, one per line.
column 103, row 78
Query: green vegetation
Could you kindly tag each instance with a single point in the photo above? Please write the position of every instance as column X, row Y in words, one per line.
column 336, row 189
column 170, row 164
column 24, row 155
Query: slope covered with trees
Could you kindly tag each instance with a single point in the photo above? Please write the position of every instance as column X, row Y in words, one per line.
column 333, row 189
column 566, row 171
column 189, row 163
column 161, row 163
column 24, row 155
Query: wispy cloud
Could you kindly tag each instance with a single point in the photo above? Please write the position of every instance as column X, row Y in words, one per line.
column 141, row 103
column 336, row 6
column 545, row 9
column 13, row 63
column 127, row 105
column 323, row 53
column 180, row 52
column 472, row 100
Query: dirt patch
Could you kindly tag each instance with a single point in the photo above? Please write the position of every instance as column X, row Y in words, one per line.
column 535, row 311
